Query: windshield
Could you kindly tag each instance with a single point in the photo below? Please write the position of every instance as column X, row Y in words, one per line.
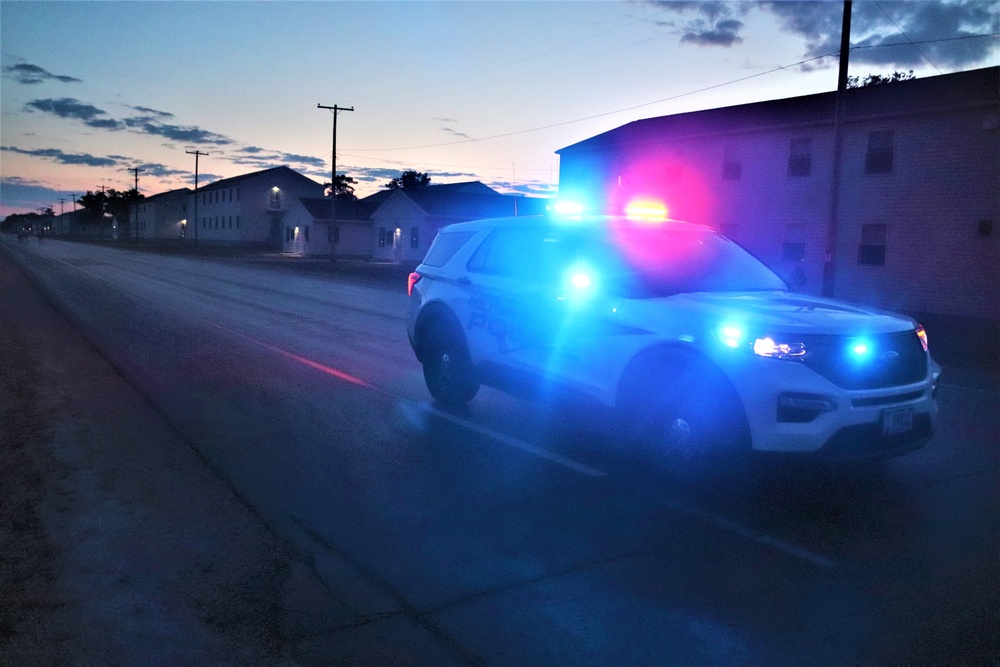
column 648, row 261
column 668, row 260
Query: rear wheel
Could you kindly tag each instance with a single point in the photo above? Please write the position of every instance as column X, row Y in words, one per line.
column 448, row 369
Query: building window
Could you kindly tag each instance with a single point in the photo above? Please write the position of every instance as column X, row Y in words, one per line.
column 800, row 157
column 871, row 251
column 289, row 234
column 307, row 233
column 732, row 166
column 414, row 237
column 230, row 222
column 878, row 159
column 237, row 222
column 381, row 237
column 794, row 247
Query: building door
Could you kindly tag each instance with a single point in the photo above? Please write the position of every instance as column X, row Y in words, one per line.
column 298, row 242
column 397, row 245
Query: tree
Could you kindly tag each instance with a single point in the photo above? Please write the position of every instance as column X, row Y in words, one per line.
column 98, row 203
column 409, row 180
column 879, row 79
column 343, row 190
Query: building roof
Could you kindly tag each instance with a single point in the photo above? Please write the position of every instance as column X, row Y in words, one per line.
column 274, row 171
column 962, row 89
column 168, row 193
column 466, row 204
column 321, row 208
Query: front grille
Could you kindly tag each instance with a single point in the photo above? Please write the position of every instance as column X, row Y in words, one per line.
column 890, row 360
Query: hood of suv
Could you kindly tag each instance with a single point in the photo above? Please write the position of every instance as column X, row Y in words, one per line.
column 770, row 311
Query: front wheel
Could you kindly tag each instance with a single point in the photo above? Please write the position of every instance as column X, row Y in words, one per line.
column 448, row 370
column 688, row 418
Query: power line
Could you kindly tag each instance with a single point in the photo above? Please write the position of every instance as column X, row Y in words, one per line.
column 606, row 113
column 665, row 99
column 901, row 32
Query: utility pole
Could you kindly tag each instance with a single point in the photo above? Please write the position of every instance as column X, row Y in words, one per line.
column 333, row 173
column 73, row 197
column 196, row 155
column 136, row 171
column 830, row 264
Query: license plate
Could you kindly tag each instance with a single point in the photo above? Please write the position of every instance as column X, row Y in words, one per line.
column 897, row 420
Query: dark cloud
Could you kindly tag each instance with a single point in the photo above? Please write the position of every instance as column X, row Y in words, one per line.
column 64, row 158
column 184, row 134
column 723, row 33
column 154, row 112
column 947, row 33
column 260, row 158
column 883, row 33
column 67, row 107
column 455, row 133
column 149, row 123
column 24, row 196
column 29, row 74
column 714, row 24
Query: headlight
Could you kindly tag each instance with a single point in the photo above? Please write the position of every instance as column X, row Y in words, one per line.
column 776, row 347
column 768, row 347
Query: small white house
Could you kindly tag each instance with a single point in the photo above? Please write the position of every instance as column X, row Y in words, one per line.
column 310, row 228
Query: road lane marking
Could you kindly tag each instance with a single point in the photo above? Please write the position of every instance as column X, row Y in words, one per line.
column 713, row 519
column 340, row 375
column 514, row 442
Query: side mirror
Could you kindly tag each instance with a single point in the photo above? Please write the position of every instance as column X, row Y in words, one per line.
column 796, row 278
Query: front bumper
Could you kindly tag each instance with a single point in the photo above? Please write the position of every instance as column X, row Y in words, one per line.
column 856, row 424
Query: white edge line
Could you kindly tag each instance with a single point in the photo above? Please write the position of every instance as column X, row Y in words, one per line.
column 514, row 442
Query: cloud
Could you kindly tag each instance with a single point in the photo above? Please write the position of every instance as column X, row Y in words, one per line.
column 149, row 123
column 455, row 133
column 715, row 25
column 23, row 196
column 64, row 158
column 724, row 33
column 154, row 112
column 69, row 107
column 181, row 133
column 29, row 74
column 261, row 158
column 882, row 32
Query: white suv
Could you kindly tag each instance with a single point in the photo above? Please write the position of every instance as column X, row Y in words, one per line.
column 699, row 347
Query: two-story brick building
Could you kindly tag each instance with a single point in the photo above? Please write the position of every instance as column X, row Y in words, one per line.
column 916, row 223
column 162, row 216
column 248, row 210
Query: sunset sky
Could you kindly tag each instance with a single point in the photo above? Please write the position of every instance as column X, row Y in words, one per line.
column 461, row 90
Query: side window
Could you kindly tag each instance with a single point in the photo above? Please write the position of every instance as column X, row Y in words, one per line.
column 732, row 165
column 878, row 159
column 800, row 157
column 506, row 252
column 871, row 251
column 445, row 246
column 794, row 247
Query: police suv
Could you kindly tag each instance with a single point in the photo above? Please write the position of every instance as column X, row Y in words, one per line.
column 699, row 348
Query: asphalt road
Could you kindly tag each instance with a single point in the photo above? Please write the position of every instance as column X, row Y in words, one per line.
column 521, row 534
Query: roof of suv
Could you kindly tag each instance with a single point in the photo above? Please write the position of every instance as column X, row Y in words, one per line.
column 569, row 222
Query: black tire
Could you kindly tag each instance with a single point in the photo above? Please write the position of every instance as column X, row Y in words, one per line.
column 687, row 417
column 448, row 370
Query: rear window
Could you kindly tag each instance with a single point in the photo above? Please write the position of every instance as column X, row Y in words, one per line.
column 445, row 246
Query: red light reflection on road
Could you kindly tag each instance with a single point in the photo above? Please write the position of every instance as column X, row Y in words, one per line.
column 340, row 375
